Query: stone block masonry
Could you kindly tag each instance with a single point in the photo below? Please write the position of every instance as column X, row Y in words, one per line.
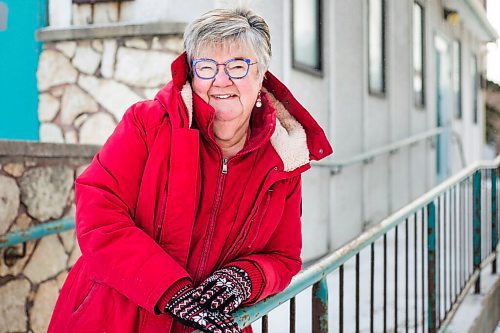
column 36, row 186
column 88, row 77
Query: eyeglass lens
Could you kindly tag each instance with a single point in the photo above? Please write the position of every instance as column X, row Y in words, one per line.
column 236, row 69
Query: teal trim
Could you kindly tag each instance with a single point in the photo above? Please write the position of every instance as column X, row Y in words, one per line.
column 18, row 65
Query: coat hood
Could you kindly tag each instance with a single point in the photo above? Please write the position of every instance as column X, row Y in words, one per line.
column 297, row 137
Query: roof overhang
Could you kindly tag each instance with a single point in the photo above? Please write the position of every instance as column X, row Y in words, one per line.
column 474, row 16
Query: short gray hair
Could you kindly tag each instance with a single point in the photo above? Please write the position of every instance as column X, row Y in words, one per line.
column 230, row 27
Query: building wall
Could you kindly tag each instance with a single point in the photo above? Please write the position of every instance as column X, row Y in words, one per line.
column 337, row 205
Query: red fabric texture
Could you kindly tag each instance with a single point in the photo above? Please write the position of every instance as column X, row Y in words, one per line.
column 154, row 211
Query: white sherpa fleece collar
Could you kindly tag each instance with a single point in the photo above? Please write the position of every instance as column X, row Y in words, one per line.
column 289, row 138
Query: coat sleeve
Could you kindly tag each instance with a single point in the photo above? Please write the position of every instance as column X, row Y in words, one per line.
column 120, row 254
column 272, row 269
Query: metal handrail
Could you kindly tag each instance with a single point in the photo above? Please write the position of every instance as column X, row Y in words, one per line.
column 368, row 156
column 317, row 272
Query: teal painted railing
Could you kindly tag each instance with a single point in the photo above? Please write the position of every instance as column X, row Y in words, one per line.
column 36, row 232
column 450, row 233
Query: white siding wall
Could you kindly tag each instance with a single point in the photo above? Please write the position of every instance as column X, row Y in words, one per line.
column 338, row 207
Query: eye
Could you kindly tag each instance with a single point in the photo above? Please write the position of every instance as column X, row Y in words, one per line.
column 204, row 66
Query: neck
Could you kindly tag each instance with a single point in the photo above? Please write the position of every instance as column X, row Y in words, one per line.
column 234, row 146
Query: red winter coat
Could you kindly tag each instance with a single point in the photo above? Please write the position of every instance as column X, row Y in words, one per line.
column 158, row 207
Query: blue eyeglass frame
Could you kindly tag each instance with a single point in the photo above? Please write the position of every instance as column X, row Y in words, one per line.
column 195, row 61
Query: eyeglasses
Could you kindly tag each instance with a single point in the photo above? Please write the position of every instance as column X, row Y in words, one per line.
column 236, row 68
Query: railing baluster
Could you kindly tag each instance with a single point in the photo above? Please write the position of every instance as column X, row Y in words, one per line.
column 265, row 324
column 439, row 255
column 448, row 254
column 320, row 306
column 477, row 227
column 422, row 271
column 385, row 282
column 396, row 279
column 416, row 269
column 341, row 298
column 406, row 274
column 494, row 221
column 372, row 285
column 431, row 267
column 455, row 254
column 292, row 314
column 462, row 235
column 357, row 292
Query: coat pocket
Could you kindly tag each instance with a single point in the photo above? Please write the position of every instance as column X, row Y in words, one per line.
column 256, row 222
column 86, row 299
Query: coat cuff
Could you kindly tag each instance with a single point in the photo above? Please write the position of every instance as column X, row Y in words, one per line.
column 174, row 289
column 255, row 276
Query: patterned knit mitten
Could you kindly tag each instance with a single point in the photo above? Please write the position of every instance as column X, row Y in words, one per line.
column 225, row 289
column 185, row 309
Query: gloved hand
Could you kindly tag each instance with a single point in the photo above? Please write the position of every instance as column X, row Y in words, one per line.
column 225, row 289
column 184, row 308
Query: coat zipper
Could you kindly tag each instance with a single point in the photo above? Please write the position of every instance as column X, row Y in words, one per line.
column 261, row 217
column 211, row 223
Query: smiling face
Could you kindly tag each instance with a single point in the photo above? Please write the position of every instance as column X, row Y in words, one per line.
column 232, row 99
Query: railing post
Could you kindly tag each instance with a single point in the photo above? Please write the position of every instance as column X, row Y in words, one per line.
column 431, row 268
column 320, row 306
column 476, row 226
column 494, row 218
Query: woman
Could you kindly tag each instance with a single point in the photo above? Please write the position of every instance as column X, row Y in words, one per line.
column 192, row 207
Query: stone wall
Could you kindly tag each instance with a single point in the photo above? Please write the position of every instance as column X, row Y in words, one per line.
column 86, row 85
column 36, row 186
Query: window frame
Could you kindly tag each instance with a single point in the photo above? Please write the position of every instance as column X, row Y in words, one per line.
column 297, row 64
column 422, row 101
column 371, row 90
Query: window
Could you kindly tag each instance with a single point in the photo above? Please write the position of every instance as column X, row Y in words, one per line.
column 418, row 55
column 306, row 36
column 475, row 86
column 457, row 78
column 376, row 47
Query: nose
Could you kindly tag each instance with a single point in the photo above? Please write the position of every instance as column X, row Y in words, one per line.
column 221, row 78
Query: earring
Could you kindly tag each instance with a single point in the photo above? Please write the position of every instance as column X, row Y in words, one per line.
column 259, row 101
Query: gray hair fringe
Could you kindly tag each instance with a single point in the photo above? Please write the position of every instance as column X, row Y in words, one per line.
column 230, row 27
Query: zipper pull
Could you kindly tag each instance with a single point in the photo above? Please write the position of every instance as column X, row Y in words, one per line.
column 224, row 165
